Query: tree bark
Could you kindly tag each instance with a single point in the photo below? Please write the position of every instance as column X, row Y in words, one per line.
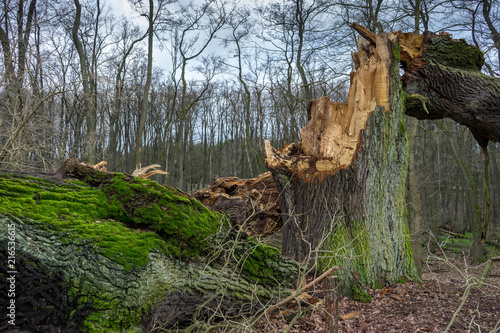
column 415, row 205
column 443, row 80
column 343, row 186
column 103, row 252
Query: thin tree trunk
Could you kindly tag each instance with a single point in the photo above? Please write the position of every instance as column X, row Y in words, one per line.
column 89, row 107
column 486, row 208
column 145, row 96
column 415, row 203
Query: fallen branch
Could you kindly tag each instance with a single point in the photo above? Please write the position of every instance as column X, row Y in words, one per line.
column 489, row 242
column 454, row 234
column 487, row 270
column 301, row 290
column 464, row 299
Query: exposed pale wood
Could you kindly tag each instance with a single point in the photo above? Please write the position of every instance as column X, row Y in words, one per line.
column 332, row 131
column 410, row 43
column 367, row 34
column 146, row 173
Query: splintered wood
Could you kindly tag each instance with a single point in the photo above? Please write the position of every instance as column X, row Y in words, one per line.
column 249, row 203
column 411, row 45
column 331, row 136
column 148, row 171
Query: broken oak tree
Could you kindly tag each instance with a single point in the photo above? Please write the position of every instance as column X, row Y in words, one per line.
column 343, row 186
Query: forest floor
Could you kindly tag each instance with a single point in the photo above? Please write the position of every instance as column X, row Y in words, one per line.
column 412, row 306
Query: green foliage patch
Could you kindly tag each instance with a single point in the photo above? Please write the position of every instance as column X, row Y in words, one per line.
column 361, row 295
column 462, row 243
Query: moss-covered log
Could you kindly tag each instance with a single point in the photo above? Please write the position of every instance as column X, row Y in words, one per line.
column 343, row 186
column 95, row 251
column 443, row 79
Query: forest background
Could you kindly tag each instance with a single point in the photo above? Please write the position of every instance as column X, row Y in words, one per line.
column 76, row 80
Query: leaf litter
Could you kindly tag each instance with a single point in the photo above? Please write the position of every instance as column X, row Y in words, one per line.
column 410, row 307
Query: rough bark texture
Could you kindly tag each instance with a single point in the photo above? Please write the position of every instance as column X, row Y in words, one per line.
column 343, row 187
column 104, row 252
column 443, row 79
column 249, row 203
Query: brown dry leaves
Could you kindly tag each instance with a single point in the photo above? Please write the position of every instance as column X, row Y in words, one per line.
column 409, row 307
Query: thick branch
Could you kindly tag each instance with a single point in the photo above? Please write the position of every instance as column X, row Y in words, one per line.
column 445, row 75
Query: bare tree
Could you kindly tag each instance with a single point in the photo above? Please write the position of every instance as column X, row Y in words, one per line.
column 84, row 67
column 127, row 39
column 199, row 27
column 15, row 107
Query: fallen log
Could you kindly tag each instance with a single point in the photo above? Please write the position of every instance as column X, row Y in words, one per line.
column 96, row 251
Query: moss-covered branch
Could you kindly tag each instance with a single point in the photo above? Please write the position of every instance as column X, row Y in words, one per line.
column 446, row 74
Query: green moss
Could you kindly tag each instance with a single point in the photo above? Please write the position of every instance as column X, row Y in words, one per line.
column 360, row 295
column 107, row 227
column 401, row 280
column 349, row 248
column 105, row 215
column 144, row 202
column 259, row 262
column 452, row 53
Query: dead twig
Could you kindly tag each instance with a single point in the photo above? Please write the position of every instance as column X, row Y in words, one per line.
column 145, row 173
column 301, row 290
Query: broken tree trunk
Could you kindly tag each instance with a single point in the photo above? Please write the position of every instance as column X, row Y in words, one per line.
column 443, row 80
column 251, row 204
column 86, row 250
column 343, row 186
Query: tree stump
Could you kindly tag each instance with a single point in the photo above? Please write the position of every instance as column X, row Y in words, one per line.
column 343, row 186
